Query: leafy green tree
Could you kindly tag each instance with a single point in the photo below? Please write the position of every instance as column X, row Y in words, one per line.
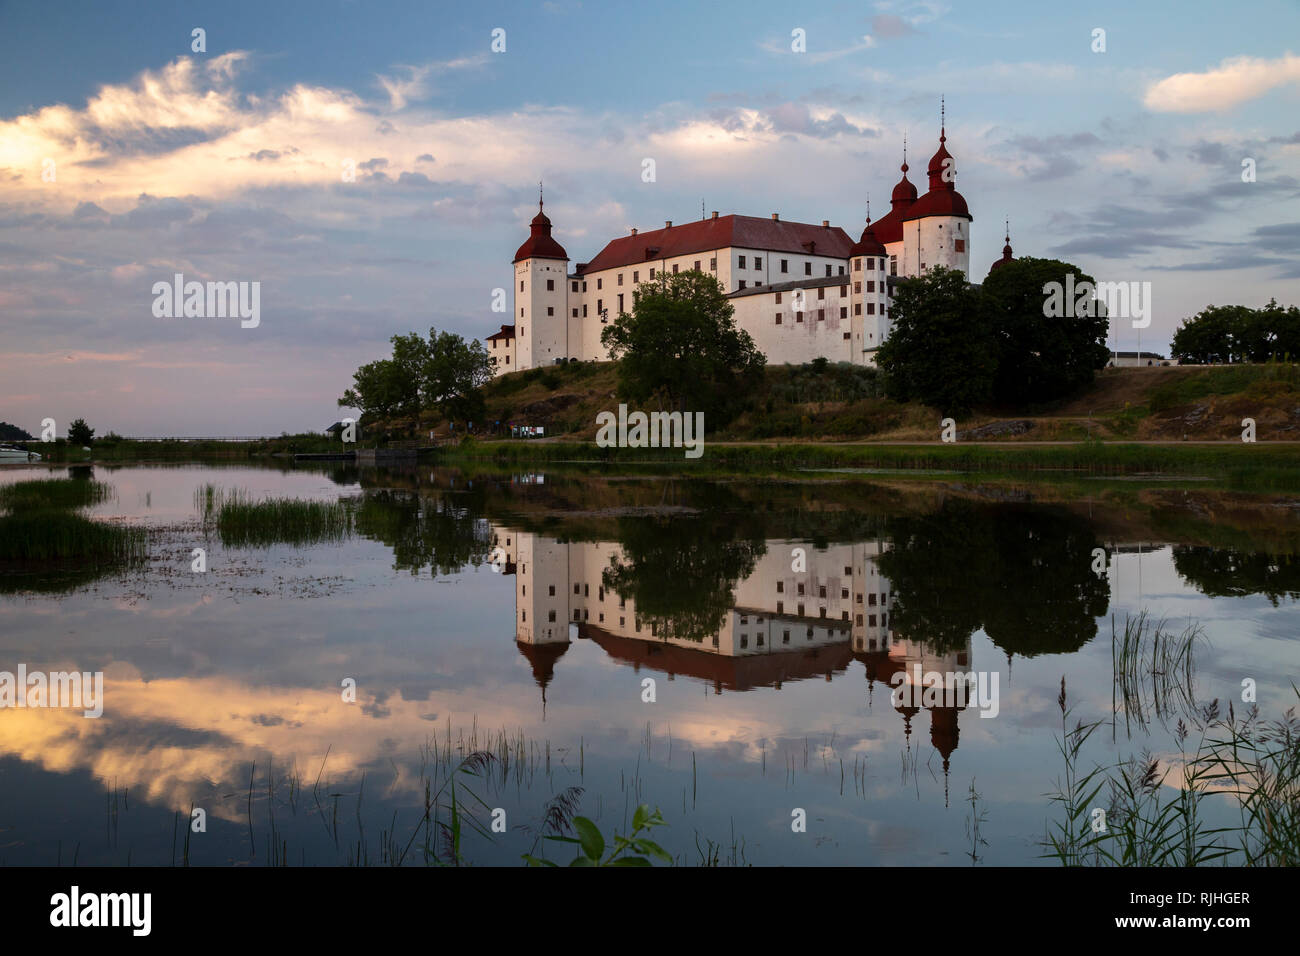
column 13, row 433
column 453, row 374
column 1040, row 358
column 942, row 351
column 79, row 433
column 374, row 390
column 1215, row 334
column 680, row 344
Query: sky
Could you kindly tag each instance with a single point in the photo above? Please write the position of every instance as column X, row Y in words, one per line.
column 127, row 156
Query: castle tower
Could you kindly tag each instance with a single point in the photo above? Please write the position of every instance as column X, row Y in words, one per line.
column 541, row 297
column 868, row 261
column 1006, row 252
column 936, row 228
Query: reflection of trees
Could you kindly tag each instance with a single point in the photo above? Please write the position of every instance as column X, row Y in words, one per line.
column 1022, row 574
column 1218, row 572
column 680, row 572
column 424, row 532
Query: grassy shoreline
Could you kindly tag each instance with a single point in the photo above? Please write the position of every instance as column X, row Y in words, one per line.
column 1247, row 466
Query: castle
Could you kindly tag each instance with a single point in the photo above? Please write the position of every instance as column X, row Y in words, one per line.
column 801, row 291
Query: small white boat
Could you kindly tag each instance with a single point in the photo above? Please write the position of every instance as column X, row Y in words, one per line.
column 8, row 453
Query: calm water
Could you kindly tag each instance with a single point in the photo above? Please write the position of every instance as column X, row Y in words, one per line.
column 770, row 618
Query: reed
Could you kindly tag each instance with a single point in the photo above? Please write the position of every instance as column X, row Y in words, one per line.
column 63, row 536
column 53, row 493
column 241, row 521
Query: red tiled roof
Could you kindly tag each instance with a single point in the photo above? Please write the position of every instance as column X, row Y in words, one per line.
column 703, row 235
column 507, row 332
column 939, row 202
column 889, row 228
column 539, row 244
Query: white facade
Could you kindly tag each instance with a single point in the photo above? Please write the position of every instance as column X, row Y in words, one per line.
column 560, row 315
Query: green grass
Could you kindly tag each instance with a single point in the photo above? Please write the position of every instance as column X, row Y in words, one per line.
column 45, row 493
column 241, row 522
column 64, row 536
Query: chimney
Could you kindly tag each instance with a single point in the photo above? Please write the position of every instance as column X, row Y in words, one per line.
column 776, row 217
column 634, row 230
column 668, row 223
column 826, row 223
column 715, row 214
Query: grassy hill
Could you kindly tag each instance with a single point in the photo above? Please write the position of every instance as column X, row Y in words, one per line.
column 841, row 403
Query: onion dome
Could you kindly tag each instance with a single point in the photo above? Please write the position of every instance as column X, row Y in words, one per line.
column 943, row 198
column 940, row 161
column 1006, row 252
column 540, row 245
column 868, row 244
column 904, row 193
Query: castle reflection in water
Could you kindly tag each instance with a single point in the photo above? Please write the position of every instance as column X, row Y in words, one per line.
column 782, row 624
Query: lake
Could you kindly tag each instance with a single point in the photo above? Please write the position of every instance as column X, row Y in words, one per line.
column 740, row 653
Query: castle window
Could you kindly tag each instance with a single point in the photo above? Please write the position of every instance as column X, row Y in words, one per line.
column 893, row 265
column 521, row 315
column 757, row 283
column 821, row 293
column 785, row 265
column 844, row 312
column 713, row 264
column 821, row 591
column 798, row 316
column 785, row 637
column 674, row 268
column 652, row 273
column 552, row 591
column 600, row 282
column 575, row 589
column 759, row 638
column 844, row 593
column 620, row 278
column 742, row 262
column 844, row 290
column 521, row 331
column 744, row 642
column 778, row 297
column 801, row 610
column 821, row 315
column 871, row 263
column 507, row 359
column 697, row 265
column 636, row 277
column 778, row 318
column 550, row 616
column 584, row 285
column 758, row 262
column 584, row 310
column 801, row 588
column 871, row 285
column 600, row 305
column 841, row 271
column 521, row 285
column 807, row 268
column 742, row 283
column 780, row 607
column 575, row 311
column 857, row 287
column 857, row 308
column 575, row 285
column 846, row 336
column 550, row 285
column 960, row 245
column 857, row 265
column 828, row 269
column 620, row 303
column 871, row 308
column 550, row 310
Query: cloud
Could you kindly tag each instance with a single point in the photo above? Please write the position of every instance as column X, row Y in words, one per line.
column 412, row 82
column 889, row 26
column 1235, row 81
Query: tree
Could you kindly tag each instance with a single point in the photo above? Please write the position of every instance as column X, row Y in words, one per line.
column 680, row 344
column 79, row 433
column 443, row 372
column 13, row 433
column 1040, row 358
column 941, row 351
column 1218, row 333
column 454, row 370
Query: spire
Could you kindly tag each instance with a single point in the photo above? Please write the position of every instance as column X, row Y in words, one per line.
column 904, row 193
column 942, row 159
column 539, row 195
column 868, row 209
column 942, row 134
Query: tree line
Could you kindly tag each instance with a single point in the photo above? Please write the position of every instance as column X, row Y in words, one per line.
column 1238, row 333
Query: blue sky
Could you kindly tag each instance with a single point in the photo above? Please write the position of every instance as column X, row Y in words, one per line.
column 225, row 165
